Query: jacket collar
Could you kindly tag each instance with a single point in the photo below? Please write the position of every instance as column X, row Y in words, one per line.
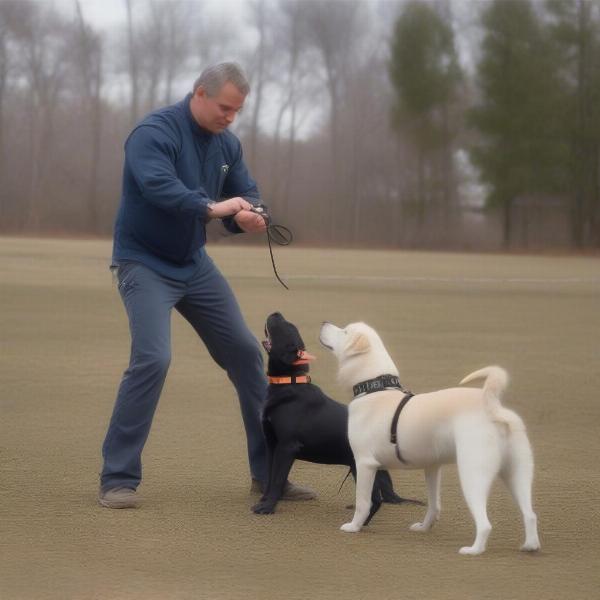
column 204, row 134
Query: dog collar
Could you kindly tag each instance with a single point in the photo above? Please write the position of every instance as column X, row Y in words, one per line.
column 378, row 384
column 290, row 379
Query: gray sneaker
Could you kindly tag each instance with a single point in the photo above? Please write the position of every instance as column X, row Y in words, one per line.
column 291, row 491
column 120, row 497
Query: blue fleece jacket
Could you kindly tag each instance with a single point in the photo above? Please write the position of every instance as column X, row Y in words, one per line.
column 173, row 169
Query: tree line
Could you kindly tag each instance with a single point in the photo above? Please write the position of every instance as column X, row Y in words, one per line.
column 388, row 123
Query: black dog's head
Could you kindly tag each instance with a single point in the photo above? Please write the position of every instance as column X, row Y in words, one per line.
column 285, row 347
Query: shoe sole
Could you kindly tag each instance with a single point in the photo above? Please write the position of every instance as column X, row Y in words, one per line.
column 117, row 505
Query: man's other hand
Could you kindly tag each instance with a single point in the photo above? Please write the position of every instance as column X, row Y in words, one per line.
column 226, row 208
column 250, row 222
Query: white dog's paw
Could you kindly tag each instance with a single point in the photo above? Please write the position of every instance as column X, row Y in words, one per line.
column 470, row 551
column 530, row 546
column 350, row 528
column 419, row 527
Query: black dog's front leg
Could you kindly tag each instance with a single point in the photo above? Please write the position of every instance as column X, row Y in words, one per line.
column 283, row 459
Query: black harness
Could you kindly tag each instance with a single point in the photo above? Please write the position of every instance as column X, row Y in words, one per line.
column 393, row 436
column 377, row 385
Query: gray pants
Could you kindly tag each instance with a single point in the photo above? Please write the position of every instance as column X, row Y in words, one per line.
column 208, row 303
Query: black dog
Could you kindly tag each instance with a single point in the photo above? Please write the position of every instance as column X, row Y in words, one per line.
column 301, row 422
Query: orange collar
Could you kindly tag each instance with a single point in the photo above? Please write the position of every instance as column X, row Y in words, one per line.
column 290, row 379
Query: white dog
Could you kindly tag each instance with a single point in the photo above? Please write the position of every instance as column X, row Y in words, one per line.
column 467, row 426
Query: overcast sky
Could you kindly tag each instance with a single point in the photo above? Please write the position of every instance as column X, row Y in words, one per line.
column 102, row 13
column 107, row 13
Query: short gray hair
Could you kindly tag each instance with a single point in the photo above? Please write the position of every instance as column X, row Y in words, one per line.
column 213, row 78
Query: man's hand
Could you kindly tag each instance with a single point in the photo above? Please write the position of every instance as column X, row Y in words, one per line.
column 250, row 222
column 226, row 208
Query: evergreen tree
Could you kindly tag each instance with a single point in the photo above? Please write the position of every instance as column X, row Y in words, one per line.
column 425, row 73
column 519, row 116
column 575, row 27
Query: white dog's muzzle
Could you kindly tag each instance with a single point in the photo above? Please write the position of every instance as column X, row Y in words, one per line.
column 328, row 335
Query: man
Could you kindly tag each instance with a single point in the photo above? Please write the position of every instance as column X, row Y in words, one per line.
column 179, row 162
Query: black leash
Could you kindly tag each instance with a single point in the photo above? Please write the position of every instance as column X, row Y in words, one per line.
column 278, row 234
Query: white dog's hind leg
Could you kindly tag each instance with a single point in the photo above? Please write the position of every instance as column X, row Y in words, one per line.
column 365, row 477
column 433, row 478
column 518, row 476
column 478, row 463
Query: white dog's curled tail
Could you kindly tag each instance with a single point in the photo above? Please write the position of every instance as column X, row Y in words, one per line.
column 496, row 382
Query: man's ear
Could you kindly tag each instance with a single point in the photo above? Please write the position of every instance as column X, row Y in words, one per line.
column 357, row 344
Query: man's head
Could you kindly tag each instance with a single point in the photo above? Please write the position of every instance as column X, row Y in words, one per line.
column 218, row 96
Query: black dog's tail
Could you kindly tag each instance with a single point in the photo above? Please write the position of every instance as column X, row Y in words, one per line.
column 383, row 482
column 343, row 482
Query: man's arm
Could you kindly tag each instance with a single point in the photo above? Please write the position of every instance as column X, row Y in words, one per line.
column 150, row 155
column 239, row 183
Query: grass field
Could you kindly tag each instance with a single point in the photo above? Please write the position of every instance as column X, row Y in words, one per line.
column 64, row 345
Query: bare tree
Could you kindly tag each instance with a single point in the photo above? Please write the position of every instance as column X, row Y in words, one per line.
column 151, row 61
column 4, row 33
column 133, row 65
column 89, row 66
column 258, row 75
column 177, row 44
column 40, row 34
column 290, row 41
column 159, row 43
column 9, row 15
column 334, row 30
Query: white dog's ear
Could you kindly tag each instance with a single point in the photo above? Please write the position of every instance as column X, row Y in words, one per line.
column 358, row 343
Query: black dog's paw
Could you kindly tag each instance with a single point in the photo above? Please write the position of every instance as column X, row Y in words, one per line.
column 263, row 508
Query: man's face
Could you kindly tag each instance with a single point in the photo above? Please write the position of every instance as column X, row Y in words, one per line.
column 216, row 113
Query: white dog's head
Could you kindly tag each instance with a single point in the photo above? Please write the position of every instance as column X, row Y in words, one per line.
column 360, row 352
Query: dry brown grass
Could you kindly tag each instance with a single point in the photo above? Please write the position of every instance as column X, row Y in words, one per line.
column 65, row 343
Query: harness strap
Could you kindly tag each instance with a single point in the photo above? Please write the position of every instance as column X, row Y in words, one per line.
column 290, row 379
column 393, row 435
